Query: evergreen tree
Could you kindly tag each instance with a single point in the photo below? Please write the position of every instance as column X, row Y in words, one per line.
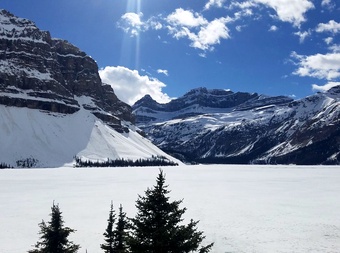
column 158, row 225
column 109, row 245
column 120, row 232
column 54, row 235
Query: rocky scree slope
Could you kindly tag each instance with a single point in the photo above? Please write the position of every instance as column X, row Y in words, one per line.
column 219, row 126
column 53, row 105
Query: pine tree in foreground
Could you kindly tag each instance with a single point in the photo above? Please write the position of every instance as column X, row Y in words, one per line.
column 54, row 235
column 109, row 245
column 158, row 225
column 120, row 232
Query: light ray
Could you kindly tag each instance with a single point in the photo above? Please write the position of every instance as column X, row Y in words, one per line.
column 130, row 51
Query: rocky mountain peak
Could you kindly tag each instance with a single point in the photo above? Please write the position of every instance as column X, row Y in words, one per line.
column 204, row 91
column 218, row 126
column 48, row 74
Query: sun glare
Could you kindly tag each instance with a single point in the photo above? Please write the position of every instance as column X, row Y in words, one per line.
column 130, row 52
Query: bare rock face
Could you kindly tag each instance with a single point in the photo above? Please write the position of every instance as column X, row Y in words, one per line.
column 40, row 72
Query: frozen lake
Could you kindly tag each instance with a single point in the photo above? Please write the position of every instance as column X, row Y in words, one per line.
column 241, row 208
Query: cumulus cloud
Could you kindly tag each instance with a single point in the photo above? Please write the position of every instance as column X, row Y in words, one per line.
column 322, row 66
column 214, row 3
column 202, row 33
column 332, row 26
column 211, row 34
column 292, row 11
column 186, row 18
column 130, row 86
column 163, row 71
column 326, row 87
column 131, row 23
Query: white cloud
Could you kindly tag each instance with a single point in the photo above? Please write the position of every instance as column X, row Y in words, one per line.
column 325, row 2
column 186, row 18
column 326, row 87
column 130, row 86
column 328, row 4
column 322, row 66
column 163, row 71
column 291, row 11
column 273, row 28
column 239, row 28
column 303, row 35
column 202, row 34
column 242, row 5
column 335, row 48
column 131, row 23
column 214, row 3
column 332, row 26
column 211, row 34
column 328, row 40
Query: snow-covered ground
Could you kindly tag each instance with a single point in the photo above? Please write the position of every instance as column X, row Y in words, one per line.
column 240, row 208
column 53, row 139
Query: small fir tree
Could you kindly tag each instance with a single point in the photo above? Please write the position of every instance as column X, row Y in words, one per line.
column 120, row 232
column 54, row 236
column 158, row 225
column 109, row 234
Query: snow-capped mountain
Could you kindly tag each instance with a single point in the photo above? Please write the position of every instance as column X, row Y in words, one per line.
column 218, row 126
column 53, row 105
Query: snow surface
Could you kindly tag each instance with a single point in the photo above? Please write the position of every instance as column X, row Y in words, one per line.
column 54, row 139
column 242, row 208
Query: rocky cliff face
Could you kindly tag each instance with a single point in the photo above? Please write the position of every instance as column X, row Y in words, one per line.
column 217, row 126
column 40, row 72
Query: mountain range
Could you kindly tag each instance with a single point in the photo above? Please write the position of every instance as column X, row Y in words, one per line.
column 54, row 107
column 220, row 126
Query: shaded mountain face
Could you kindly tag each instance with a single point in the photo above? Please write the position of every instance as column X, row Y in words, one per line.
column 40, row 72
column 218, row 126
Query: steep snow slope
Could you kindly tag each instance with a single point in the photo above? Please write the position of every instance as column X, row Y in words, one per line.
column 53, row 139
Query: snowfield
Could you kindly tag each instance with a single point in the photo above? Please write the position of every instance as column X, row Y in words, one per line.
column 53, row 139
column 241, row 208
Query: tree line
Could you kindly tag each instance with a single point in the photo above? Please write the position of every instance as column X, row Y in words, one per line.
column 5, row 166
column 156, row 228
column 121, row 162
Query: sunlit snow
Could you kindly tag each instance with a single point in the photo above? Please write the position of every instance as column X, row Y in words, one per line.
column 257, row 209
column 54, row 139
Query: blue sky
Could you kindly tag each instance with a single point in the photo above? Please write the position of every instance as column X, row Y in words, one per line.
column 165, row 48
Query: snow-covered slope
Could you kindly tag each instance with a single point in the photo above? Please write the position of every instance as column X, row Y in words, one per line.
column 52, row 139
column 216, row 126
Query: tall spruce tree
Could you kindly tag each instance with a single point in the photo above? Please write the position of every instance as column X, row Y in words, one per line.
column 109, row 234
column 54, row 236
column 158, row 225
